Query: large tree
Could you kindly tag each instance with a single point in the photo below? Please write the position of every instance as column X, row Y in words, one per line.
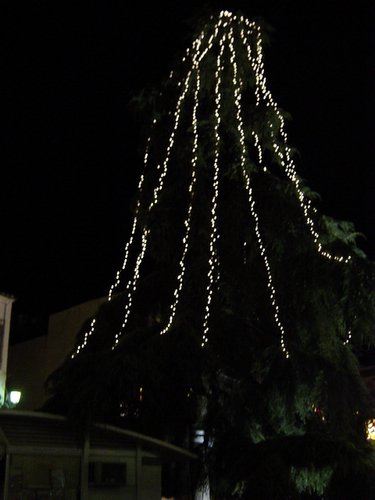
column 243, row 309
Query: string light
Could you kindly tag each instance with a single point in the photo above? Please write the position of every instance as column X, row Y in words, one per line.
column 171, row 141
column 140, row 186
column 132, row 284
column 348, row 337
column 370, row 429
column 287, row 162
column 285, row 158
column 237, row 95
column 134, row 225
column 187, row 222
column 223, row 32
column 259, row 149
column 213, row 261
column 85, row 338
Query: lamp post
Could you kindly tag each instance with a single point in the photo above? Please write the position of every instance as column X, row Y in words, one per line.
column 12, row 398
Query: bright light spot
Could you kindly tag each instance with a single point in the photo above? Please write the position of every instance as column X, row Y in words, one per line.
column 199, row 437
column 370, row 429
column 15, row 397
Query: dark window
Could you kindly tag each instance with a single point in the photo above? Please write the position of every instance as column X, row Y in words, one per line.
column 107, row 473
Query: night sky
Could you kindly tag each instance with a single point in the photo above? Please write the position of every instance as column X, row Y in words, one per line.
column 70, row 142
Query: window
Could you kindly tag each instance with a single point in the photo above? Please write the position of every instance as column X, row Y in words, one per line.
column 107, row 474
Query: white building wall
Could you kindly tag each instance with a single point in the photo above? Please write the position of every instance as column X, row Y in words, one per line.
column 5, row 315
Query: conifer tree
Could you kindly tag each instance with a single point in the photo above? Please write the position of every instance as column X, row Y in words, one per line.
column 243, row 308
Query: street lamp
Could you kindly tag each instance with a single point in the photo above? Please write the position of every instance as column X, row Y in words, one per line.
column 14, row 397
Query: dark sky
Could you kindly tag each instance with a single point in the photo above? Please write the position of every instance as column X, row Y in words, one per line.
column 70, row 145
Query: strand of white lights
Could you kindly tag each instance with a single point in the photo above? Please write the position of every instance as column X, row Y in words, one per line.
column 259, row 148
column 348, row 338
column 132, row 284
column 196, row 60
column 220, row 24
column 140, row 185
column 210, row 42
column 135, row 221
column 370, row 429
column 213, row 259
column 238, row 97
column 187, row 221
column 85, row 338
column 170, row 142
column 287, row 162
column 127, row 247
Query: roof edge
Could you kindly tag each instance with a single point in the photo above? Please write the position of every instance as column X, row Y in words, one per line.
column 163, row 446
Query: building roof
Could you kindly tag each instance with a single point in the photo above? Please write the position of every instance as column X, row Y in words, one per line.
column 7, row 296
column 21, row 430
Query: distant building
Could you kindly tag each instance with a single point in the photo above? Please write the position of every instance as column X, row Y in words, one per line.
column 6, row 302
column 31, row 361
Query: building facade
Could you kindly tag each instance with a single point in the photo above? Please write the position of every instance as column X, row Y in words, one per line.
column 6, row 302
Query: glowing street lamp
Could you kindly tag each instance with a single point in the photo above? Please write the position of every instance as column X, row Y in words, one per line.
column 15, row 397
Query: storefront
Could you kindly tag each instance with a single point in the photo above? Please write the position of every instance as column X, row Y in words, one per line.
column 44, row 457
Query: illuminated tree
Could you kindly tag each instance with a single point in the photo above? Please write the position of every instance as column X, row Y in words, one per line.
column 243, row 307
